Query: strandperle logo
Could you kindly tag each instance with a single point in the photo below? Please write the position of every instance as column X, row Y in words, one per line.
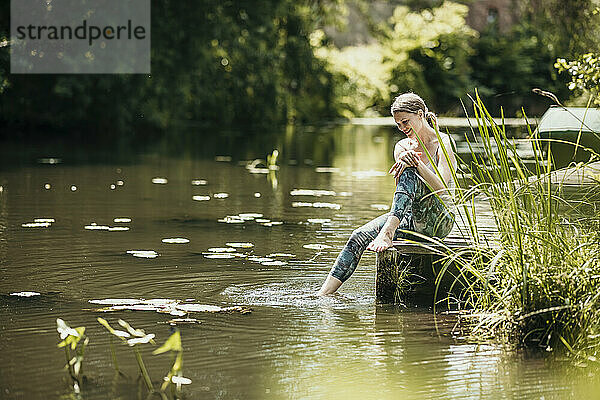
column 83, row 32
column 80, row 36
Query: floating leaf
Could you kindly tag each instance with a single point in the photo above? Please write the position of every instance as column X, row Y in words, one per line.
column 319, row 220
column 176, row 321
column 312, row 192
column 36, row 225
column 160, row 181
column 262, row 220
column 49, row 220
column 243, row 245
column 116, row 301
column 122, row 220
column 273, row 263
column 118, row 228
column 25, row 294
column 380, row 207
column 143, row 253
column 221, row 195
column 176, row 240
column 219, row 255
column 198, row 308
column 281, row 255
column 95, row 227
column 316, row 246
column 201, row 198
column 222, row 250
column 249, row 216
column 199, row 182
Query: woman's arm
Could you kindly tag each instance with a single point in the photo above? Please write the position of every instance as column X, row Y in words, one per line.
column 444, row 168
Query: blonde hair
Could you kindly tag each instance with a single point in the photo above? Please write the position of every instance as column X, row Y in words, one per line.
column 412, row 103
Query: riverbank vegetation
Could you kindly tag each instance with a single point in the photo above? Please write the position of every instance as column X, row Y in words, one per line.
column 541, row 284
column 249, row 66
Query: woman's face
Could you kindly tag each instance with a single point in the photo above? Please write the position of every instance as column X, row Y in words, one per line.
column 408, row 123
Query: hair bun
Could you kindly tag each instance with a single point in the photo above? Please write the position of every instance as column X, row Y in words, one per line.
column 431, row 118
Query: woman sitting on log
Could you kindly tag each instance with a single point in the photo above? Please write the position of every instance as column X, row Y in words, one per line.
column 422, row 202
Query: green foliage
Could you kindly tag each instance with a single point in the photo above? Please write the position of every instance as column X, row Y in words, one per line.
column 424, row 51
column 540, row 286
column 229, row 64
column 73, row 339
column 584, row 73
column 507, row 66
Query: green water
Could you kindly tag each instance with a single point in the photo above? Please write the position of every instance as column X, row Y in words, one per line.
column 293, row 345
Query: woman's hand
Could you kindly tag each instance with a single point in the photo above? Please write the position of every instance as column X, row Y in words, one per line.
column 408, row 158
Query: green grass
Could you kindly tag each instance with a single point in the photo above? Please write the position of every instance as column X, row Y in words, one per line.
column 540, row 287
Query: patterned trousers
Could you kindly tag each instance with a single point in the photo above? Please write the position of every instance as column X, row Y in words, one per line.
column 417, row 208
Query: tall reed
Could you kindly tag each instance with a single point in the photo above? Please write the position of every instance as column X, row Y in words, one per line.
column 539, row 280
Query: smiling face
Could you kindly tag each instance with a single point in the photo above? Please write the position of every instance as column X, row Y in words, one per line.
column 409, row 123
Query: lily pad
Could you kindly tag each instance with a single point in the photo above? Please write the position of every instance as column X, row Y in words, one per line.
column 199, row 182
column 312, row 192
column 122, row 220
column 316, row 246
column 222, row 250
column 176, row 240
column 115, row 302
column 221, row 195
column 36, row 225
column 180, row 321
column 219, row 255
column 273, row 263
column 333, row 206
column 249, row 216
column 143, row 253
column 95, row 227
column 160, row 181
column 46, row 220
column 118, row 228
column 231, row 219
column 201, row 198
column 319, row 220
column 25, row 294
column 380, row 207
column 242, row 245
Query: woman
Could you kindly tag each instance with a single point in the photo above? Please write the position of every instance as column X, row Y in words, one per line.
column 414, row 208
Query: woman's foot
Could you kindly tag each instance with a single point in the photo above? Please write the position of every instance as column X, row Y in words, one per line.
column 380, row 243
column 384, row 238
column 330, row 285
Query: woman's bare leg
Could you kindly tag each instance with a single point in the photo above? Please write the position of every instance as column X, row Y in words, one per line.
column 330, row 285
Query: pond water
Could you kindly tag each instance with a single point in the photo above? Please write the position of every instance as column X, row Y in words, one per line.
column 293, row 345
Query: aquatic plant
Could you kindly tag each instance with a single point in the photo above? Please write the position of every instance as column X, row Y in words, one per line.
column 74, row 351
column 174, row 377
column 132, row 337
column 538, row 280
column 540, row 283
